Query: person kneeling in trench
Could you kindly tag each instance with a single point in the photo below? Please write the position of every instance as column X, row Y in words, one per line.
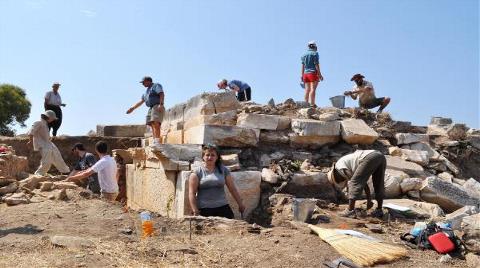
column 353, row 170
column 206, row 184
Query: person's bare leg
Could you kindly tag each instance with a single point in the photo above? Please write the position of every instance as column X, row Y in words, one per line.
column 307, row 91
column 313, row 92
column 156, row 130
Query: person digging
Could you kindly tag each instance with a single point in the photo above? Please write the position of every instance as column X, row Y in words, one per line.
column 353, row 170
column 365, row 92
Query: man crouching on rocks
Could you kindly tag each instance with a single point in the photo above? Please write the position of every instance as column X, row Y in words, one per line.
column 353, row 170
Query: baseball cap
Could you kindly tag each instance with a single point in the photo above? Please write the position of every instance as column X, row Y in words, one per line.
column 146, row 78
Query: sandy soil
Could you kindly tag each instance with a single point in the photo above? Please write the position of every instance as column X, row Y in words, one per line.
column 25, row 232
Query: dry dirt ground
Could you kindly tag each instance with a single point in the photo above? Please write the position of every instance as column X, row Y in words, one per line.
column 25, row 232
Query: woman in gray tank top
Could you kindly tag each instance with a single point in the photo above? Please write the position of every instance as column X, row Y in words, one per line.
column 206, row 184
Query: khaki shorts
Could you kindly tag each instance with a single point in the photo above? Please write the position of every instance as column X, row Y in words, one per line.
column 154, row 115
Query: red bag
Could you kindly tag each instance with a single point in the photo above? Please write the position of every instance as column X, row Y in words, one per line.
column 441, row 243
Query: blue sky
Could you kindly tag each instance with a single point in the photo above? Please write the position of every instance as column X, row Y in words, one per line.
column 424, row 54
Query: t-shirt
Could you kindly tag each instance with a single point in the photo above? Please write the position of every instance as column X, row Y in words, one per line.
column 53, row 99
column 151, row 95
column 106, row 168
column 41, row 135
column 366, row 97
column 211, row 187
column 349, row 163
column 310, row 61
column 241, row 85
column 87, row 161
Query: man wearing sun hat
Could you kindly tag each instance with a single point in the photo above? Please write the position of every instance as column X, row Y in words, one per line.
column 53, row 102
column 364, row 90
column 354, row 170
column 153, row 98
column 39, row 135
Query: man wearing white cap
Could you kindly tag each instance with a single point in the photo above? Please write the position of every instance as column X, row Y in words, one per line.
column 311, row 74
column 39, row 135
column 53, row 102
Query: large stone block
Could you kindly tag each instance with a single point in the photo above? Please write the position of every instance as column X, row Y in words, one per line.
column 397, row 163
column 419, row 157
column 121, row 130
column 174, row 137
column 182, row 205
column 472, row 187
column 471, row 232
column 309, row 132
column 181, row 152
column 231, row 136
column 433, row 155
column 457, row 131
column 228, row 118
column 407, row 138
column 356, row 131
column 263, row 121
column 152, row 189
column 211, row 103
column 447, row 195
column 418, row 209
column 311, row 185
column 12, row 166
column 248, row 185
column 455, row 218
column 274, row 137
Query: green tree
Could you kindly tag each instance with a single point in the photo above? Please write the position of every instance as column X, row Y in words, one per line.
column 14, row 108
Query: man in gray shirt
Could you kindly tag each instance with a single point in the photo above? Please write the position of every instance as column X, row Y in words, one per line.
column 86, row 160
column 53, row 102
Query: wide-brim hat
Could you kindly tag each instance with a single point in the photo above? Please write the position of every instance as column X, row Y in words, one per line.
column 50, row 114
column 356, row 77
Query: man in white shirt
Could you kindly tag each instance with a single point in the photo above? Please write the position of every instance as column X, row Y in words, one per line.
column 40, row 137
column 364, row 90
column 53, row 101
column 106, row 168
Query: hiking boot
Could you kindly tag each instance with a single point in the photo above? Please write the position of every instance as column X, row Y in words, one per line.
column 377, row 213
column 348, row 214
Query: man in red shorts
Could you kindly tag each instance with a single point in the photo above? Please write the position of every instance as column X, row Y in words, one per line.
column 311, row 74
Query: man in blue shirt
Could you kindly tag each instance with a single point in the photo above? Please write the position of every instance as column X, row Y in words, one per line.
column 153, row 98
column 244, row 92
column 311, row 74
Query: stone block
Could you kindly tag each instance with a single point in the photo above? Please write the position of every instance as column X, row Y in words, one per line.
column 228, row 118
column 32, row 182
column 248, row 185
column 182, row 205
column 419, row 157
column 433, row 155
column 274, row 137
column 121, row 130
column 437, row 130
column 64, row 185
column 174, row 117
column 231, row 136
column 181, row 152
column 407, row 138
column 472, row 187
column 449, row 165
column 231, row 161
column 455, row 218
column 263, row 121
column 411, row 184
column 46, row 186
column 125, row 154
column 437, row 120
column 447, row 195
column 269, row 176
column 266, row 159
column 152, row 189
column 392, row 186
column 174, row 137
column 418, row 209
column 211, row 103
column 16, row 199
column 446, row 176
column 11, row 188
column 356, row 131
column 471, row 232
column 394, row 151
column 397, row 163
column 457, row 131
column 12, row 166
column 309, row 132
column 311, row 185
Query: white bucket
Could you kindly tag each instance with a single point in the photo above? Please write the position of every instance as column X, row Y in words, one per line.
column 338, row 101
